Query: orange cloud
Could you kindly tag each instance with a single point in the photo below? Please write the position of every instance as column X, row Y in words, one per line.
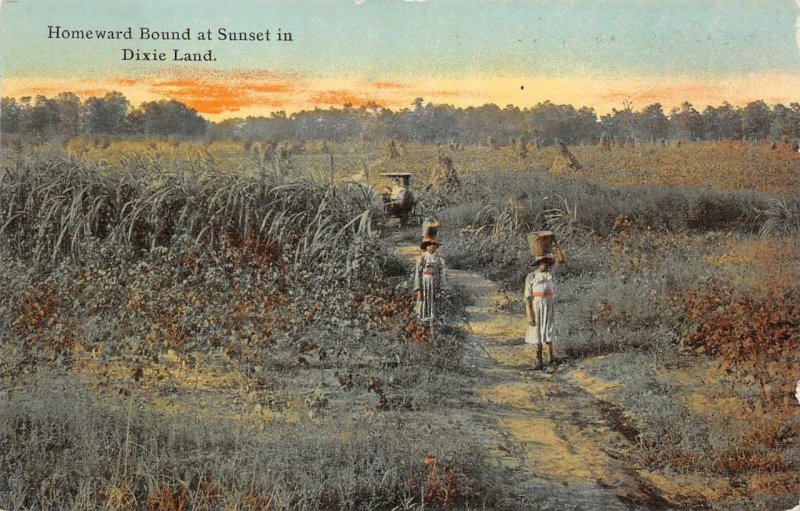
column 218, row 97
column 344, row 97
column 125, row 81
column 444, row 94
column 388, row 85
column 662, row 94
column 54, row 91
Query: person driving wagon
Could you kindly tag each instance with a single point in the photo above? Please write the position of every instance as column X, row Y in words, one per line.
column 399, row 202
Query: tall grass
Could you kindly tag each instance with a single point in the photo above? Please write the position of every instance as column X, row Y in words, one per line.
column 781, row 218
column 53, row 209
column 540, row 200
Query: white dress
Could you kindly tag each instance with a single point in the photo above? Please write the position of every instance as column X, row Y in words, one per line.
column 429, row 277
column 541, row 289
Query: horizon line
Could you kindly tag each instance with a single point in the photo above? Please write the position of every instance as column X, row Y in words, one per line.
column 242, row 94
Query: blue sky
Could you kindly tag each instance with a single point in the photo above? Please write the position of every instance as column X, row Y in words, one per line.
column 403, row 41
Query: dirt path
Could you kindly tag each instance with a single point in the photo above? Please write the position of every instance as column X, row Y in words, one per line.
column 560, row 447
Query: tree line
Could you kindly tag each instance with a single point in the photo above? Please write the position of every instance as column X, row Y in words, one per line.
column 66, row 116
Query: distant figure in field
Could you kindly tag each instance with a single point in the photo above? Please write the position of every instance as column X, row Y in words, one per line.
column 399, row 202
column 399, row 190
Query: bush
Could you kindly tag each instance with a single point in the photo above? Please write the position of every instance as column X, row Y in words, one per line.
column 781, row 218
column 755, row 336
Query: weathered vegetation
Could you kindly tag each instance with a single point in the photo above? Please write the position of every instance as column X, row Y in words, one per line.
column 185, row 319
column 222, row 326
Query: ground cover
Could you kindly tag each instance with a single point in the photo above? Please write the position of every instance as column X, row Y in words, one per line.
column 177, row 317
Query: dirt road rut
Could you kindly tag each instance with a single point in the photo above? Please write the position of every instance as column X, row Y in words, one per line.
column 559, row 446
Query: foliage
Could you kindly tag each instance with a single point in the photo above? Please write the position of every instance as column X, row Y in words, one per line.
column 753, row 335
column 545, row 123
column 57, row 208
column 782, row 218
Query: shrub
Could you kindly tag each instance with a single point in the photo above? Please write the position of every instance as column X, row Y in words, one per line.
column 755, row 336
column 781, row 218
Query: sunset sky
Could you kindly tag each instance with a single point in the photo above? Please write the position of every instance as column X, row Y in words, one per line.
column 597, row 53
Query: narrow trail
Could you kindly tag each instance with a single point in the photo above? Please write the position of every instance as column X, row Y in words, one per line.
column 559, row 447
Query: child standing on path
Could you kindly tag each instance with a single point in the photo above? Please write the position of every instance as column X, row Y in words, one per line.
column 429, row 275
column 540, row 293
column 428, row 279
column 540, row 296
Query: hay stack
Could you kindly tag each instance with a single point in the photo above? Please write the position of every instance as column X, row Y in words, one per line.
column 605, row 141
column 445, row 177
column 568, row 158
column 392, row 150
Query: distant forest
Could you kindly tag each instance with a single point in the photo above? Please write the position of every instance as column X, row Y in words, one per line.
column 66, row 116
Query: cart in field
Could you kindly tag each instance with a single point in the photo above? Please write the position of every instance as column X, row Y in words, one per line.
column 399, row 201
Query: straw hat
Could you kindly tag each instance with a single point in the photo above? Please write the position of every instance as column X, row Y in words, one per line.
column 428, row 240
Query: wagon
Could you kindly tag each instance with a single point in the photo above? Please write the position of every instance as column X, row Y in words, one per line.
column 399, row 201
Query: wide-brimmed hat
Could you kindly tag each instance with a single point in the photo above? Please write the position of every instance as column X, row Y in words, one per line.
column 427, row 240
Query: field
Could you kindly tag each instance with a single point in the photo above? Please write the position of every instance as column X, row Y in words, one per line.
column 229, row 326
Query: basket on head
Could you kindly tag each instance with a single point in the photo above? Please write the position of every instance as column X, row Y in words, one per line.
column 543, row 244
column 430, row 228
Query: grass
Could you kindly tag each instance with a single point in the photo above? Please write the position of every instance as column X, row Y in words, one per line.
column 177, row 317
column 679, row 427
column 64, row 448
column 205, row 339
column 635, row 257
column 782, row 218
column 54, row 208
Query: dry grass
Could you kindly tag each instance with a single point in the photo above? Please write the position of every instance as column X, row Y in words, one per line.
column 221, row 344
column 205, row 303
column 637, row 257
